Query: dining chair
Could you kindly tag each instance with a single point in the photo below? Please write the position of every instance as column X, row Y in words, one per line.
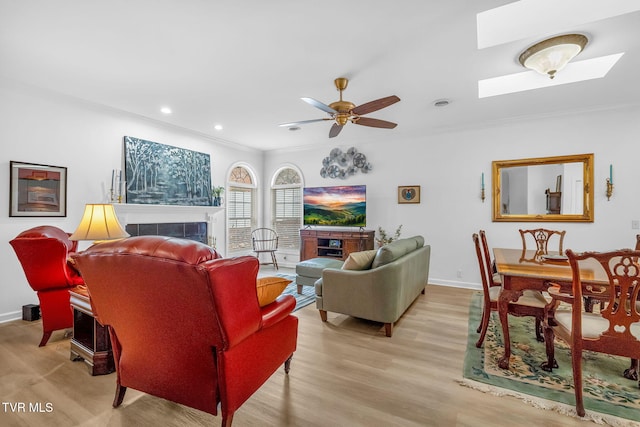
column 495, row 278
column 265, row 240
column 531, row 303
column 614, row 330
column 542, row 237
column 632, row 371
column 590, row 302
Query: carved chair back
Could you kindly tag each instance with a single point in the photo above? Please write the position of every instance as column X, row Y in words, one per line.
column 615, row 329
column 541, row 237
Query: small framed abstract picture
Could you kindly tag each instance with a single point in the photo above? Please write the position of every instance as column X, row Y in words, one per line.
column 409, row 194
column 37, row 190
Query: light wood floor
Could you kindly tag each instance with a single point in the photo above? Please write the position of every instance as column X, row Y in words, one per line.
column 344, row 373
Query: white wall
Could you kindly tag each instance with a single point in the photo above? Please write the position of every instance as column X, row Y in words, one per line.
column 49, row 129
column 45, row 128
column 448, row 168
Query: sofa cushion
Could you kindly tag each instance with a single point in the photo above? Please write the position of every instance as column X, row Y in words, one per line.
column 394, row 250
column 359, row 260
column 313, row 267
column 270, row 288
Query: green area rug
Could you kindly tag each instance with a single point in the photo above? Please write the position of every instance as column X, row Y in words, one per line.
column 302, row 300
column 607, row 394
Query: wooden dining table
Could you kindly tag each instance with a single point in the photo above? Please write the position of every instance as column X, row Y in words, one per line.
column 522, row 270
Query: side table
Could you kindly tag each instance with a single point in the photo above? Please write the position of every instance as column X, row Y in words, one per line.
column 90, row 341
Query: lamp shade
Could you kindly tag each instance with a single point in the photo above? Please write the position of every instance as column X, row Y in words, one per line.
column 552, row 55
column 99, row 222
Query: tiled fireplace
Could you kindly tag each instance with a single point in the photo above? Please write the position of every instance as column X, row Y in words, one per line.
column 187, row 230
column 190, row 222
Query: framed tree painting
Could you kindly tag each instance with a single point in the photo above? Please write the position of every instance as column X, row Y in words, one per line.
column 37, row 190
column 165, row 175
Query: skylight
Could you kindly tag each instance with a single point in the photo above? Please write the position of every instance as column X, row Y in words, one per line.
column 531, row 18
column 574, row 72
column 535, row 19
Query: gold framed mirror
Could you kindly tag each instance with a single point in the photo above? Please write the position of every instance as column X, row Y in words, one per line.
column 544, row 189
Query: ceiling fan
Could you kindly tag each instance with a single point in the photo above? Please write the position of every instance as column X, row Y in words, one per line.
column 342, row 111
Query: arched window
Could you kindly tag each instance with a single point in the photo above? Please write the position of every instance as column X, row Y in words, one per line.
column 241, row 209
column 286, row 202
column 240, row 175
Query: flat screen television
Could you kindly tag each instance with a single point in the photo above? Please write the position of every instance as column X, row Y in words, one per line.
column 342, row 206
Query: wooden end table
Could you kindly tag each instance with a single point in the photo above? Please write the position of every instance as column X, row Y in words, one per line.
column 90, row 341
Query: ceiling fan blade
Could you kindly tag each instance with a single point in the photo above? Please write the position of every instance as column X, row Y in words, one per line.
column 335, row 130
column 376, row 105
column 304, row 122
column 375, row 123
column 320, row 105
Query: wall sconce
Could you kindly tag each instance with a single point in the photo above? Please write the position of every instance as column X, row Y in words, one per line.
column 552, row 55
column 482, row 188
column 610, row 183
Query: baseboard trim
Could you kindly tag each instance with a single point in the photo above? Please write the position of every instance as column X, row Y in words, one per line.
column 455, row 284
column 12, row 315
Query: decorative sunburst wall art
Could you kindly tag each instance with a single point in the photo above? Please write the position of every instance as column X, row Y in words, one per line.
column 342, row 165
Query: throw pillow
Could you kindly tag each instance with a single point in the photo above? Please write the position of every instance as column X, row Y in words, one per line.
column 393, row 251
column 359, row 260
column 270, row 288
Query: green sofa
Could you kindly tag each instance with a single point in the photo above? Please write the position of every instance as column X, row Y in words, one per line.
column 382, row 286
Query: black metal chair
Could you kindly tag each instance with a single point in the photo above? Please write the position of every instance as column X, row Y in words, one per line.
column 265, row 240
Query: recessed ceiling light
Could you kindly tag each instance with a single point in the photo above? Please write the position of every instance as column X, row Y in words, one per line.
column 218, row 127
column 166, row 110
column 441, row 103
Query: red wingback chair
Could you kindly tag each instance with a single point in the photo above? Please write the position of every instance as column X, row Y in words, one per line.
column 44, row 253
column 184, row 325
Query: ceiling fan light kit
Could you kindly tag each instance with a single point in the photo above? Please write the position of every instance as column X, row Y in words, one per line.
column 341, row 112
column 552, row 55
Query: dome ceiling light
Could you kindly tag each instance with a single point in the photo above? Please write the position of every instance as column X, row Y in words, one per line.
column 552, row 55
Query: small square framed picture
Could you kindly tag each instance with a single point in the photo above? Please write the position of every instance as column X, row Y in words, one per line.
column 409, row 194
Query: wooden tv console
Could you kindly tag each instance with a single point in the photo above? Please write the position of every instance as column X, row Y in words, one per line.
column 333, row 243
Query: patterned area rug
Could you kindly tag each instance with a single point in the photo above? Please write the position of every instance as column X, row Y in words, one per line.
column 607, row 394
column 302, row 300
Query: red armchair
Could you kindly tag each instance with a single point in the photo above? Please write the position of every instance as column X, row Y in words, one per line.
column 185, row 326
column 44, row 252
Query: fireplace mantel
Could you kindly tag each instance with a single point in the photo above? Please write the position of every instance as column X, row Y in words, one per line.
column 129, row 213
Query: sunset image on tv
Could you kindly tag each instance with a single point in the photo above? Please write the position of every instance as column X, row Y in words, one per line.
column 335, row 206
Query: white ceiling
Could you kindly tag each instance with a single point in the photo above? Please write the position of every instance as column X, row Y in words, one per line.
column 246, row 64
